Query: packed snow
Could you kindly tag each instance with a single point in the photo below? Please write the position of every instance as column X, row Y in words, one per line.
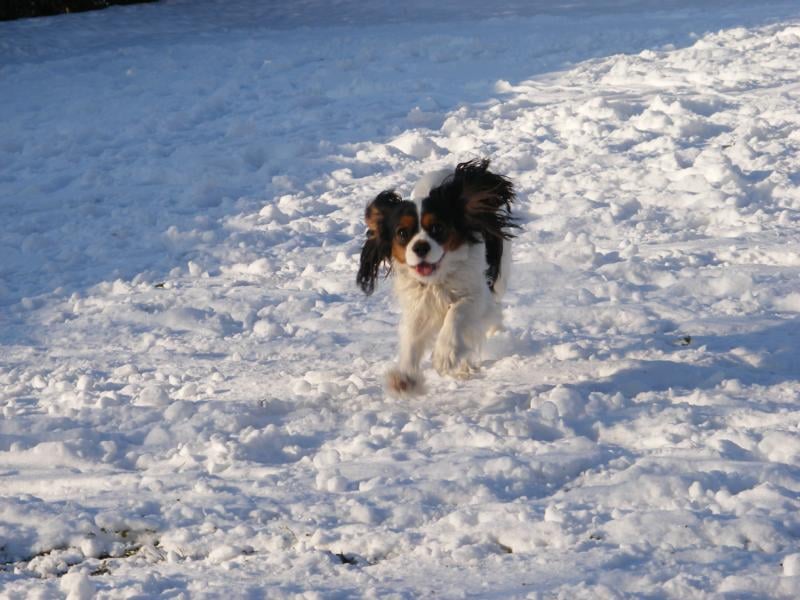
column 192, row 384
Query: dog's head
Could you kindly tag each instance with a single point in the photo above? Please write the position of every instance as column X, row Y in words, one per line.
column 427, row 235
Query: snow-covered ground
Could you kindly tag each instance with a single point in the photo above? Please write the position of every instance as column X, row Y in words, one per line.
column 190, row 380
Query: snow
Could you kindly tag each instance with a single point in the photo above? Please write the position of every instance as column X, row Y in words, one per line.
column 190, row 380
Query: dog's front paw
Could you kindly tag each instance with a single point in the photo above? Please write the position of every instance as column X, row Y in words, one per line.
column 449, row 361
column 399, row 383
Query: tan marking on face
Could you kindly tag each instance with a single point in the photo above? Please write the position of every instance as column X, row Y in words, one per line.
column 409, row 223
column 399, row 252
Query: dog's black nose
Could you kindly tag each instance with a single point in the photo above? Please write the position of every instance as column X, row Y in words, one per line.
column 421, row 248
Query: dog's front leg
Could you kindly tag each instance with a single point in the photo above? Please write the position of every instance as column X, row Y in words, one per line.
column 406, row 377
column 456, row 340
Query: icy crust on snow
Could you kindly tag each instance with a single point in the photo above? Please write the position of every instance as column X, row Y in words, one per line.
column 211, row 420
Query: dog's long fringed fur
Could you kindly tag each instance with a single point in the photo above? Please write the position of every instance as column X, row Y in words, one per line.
column 449, row 251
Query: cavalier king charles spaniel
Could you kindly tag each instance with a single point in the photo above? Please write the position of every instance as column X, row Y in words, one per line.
column 449, row 250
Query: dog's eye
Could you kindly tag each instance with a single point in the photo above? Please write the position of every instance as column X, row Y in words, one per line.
column 402, row 235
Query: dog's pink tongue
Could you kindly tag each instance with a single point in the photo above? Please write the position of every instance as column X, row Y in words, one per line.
column 425, row 269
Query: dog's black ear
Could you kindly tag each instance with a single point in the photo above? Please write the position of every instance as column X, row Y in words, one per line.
column 378, row 246
column 487, row 201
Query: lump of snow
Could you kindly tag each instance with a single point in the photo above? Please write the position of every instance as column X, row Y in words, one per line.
column 567, row 351
column 362, row 513
column 415, row 144
column 788, row 303
column 327, row 458
column 272, row 214
column 157, row 437
column 791, row 565
column 84, row 383
column 224, row 553
column 77, row 585
column 265, row 329
column 548, row 411
column 188, row 391
column 331, row 483
column 716, row 168
column 179, row 410
column 780, row 446
column 153, row 395
column 553, row 514
column 567, row 400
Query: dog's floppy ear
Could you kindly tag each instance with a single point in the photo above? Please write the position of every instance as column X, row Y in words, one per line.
column 487, row 200
column 378, row 246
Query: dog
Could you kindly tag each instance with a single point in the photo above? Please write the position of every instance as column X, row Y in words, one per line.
column 449, row 250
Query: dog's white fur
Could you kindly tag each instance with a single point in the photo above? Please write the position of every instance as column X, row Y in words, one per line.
column 452, row 310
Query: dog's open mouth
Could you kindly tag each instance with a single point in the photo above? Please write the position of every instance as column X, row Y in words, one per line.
column 426, row 269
